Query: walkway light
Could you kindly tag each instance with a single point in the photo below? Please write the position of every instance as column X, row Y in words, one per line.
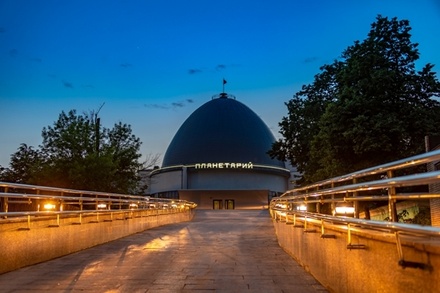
column 49, row 206
column 302, row 208
column 282, row 205
column 344, row 209
column 101, row 206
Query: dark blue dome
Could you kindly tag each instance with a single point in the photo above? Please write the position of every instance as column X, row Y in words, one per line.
column 222, row 130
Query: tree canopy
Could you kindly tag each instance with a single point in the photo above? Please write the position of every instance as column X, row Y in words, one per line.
column 369, row 107
column 78, row 153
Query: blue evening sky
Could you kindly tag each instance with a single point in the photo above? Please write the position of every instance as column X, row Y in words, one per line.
column 154, row 62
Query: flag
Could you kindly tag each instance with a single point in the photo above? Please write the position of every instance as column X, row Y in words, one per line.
column 224, row 81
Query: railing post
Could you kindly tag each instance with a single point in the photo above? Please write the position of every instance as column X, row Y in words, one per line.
column 333, row 204
column 38, row 201
column 61, row 202
column 355, row 203
column 318, row 204
column 5, row 203
column 392, row 202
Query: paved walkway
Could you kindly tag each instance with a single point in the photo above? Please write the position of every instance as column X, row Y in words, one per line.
column 219, row 251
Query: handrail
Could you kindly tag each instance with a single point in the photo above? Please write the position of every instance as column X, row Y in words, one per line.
column 62, row 190
column 349, row 189
column 353, row 190
column 292, row 206
column 365, row 227
column 63, row 199
column 411, row 229
column 409, row 180
column 416, row 160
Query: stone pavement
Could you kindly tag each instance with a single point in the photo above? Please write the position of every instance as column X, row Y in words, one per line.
column 219, row 251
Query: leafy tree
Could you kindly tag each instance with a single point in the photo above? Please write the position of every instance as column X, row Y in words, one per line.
column 299, row 128
column 24, row 163
column 123, row 149
column 368, row 108
column 77, row 153
column 3, row 171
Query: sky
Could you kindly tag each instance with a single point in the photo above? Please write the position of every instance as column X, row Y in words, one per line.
column 150, row 64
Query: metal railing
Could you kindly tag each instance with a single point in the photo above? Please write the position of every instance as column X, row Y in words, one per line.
column 387, row 182
column 361, row 185
column 29, row 202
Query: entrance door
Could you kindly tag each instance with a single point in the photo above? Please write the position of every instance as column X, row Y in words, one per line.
column 217, row 204
column 229, row 204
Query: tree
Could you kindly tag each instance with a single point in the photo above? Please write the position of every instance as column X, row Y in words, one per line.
column 299, row 128
column 123, row 149
column 368, row 108
column 77, row 153
column 24, row 163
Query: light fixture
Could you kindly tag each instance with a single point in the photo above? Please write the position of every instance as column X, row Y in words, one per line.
column 281, row 205
column 101, row 206
column 344, row 209
column 302, row 208
column 49, row 206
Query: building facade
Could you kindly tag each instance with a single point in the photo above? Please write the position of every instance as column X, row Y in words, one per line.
column 218, row 159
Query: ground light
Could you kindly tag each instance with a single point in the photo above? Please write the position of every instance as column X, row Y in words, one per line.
column 344, row 209
column 101, row 206
column 302, row 208
column 49, row 206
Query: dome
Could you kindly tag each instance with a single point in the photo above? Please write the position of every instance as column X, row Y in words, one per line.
column 222, row 130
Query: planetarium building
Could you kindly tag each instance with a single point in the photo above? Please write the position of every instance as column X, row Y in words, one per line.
column 218, row 159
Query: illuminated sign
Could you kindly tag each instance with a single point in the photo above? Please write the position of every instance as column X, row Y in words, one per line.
column 224, row 166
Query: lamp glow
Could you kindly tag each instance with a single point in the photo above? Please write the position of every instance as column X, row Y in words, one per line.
column 49, row 206
column 344, row 210
column 302, row 208
column 101, row 206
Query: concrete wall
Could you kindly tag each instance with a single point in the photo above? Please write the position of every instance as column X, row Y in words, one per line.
column 42, row 240
column 374, row 269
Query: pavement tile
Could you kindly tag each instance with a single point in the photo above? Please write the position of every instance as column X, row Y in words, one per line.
column 219, row 251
